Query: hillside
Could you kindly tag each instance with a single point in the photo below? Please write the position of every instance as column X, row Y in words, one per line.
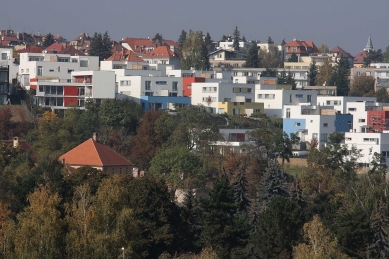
column 19, row 114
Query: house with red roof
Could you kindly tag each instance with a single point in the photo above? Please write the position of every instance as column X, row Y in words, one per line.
column 300, row 48
column 96, row 155
column 124, row 59
column 82, row 42
column 338, row 53
column 164, row 55
column 63, row 48
column 30, row 49
column 142, row 46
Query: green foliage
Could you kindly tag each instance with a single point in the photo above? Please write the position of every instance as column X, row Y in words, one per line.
column 195, row 52
column 252, row 59
column 286, row 79
column 269, row 73
column 379, row 247
column 293, row 58
column 373, row 56
column 277, row 229
column 177, row 165
column 270, row 58
column 270, row 40
column 362, row 86
column 100, row 46
column 226, row 233
column 341, row 77
column 325, row 75
column 158, row 40
column 49, row 39
column 312, row 74
column 236, row 39
column 386, row 55
column 182, row 38
column 382, row 95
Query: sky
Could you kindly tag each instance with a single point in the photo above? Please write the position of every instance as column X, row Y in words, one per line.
column 344, row 23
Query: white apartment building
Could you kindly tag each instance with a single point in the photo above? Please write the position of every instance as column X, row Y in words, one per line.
column 274, row 99
column 137, row 86
column 6, row 59
column 60, row 66
column 83, row 85
column 368, row 144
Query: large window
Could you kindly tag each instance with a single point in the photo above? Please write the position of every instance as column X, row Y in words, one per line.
column 147, row 85
column 4, row 56
column 175, row 86
column 40, row 70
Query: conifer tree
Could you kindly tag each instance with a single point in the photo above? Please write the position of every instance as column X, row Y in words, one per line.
column 101, row 46
column 293, row 58
column 240, row 192
column 236, row 40
column 341, row 77
column 272, row 185
column 312, row 74
column 49, row 39
column 252, row 59
column 379, row 247
column 182, row 38
column 270, row 40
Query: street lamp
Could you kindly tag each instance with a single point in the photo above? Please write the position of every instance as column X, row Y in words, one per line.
column 123, row 251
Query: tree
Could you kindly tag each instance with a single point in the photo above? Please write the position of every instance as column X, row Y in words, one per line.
column 223, row 231
column 283, row 42
column 325, row 74
column 49, row 39
column 207, row 39
column 341, row 77
column 239, row 186
column 386, row 55
column 182, row 38
column 320, row 244
column 100, row 46
column 270, row 40
column 270, row 57
column 272, row 185
column 252, row 59
column 269, row 73
column 195, row 52
column 39, row 230
column 379, row 247
column 236, row 39
column 277, row 229
column 362, row 86
column 373, row 56
column 177, row 165
column 312, row 73
column 293, row 58
column 382, row 95
column 323, row 48
column 158, row 40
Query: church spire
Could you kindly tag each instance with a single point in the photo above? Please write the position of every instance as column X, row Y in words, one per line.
column 369, row 45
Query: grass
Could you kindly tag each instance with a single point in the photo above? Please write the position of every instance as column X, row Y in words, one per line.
column 294, row 170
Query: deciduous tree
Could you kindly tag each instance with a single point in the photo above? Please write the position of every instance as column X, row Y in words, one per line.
column 362, row 86
column 195, row 52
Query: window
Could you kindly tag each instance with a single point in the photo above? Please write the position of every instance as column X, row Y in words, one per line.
column 260, row 96
column 27, row 70
column 266, row 96
column 328, row 102
column 325, row 124
column 22, row 70
column 51, row 70
column 297, row 124
column 309, row 98
column 4, row 56
column 256, row 110
column 361, row 120
column 288, row 113
column 352, row 109
column 160, row 82
column 59, row 69
column 148, row 85
column 40, row 70
column 227, row 99
column 299, row 95
column 125, row 83
column 249, row 90
column 113, row 170
column 314, row 135
column 175, row 86
column 70, row 71
column 248, row 100
column 368, row 73
column 63, row 60
column 323, row 137
column 221, row 111
column 149, row 93
column 290, row 98
column 385, row 153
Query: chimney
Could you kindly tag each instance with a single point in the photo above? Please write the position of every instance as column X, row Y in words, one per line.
column 95, row 135
column 16, row 142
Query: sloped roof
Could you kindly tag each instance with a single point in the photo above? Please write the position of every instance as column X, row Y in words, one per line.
column 340, row 52
column 302, row 46
column 161, row 52
column 30, row 49
column 93, row 153
column 139, row 44
column 358, row 59
column 125, row 55
column 63, row 48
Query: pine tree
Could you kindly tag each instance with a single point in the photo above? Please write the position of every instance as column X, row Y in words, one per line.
column 296, row 193
column 158, row 40
column 382, row 95
column 240, row 192
column 223, row 230
column 182, row 38
column 272, row 185
column 269, row 73
column 341, row 77
column 270, row 40
column 100, row 46
column 283, row 42
column 49, row 39
column 252, row 59
column 379, row 248
column 207, row 39
column 312, row 74
column 293, row 58
column 236, row 36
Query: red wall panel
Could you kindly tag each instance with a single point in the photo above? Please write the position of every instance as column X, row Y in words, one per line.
column 70, row 101
column 71, row 90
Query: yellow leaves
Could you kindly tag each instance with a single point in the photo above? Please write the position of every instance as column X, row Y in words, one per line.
column 49, row 116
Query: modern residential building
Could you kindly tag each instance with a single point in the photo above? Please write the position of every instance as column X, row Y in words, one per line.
column 234, row 141
column 83, row 85
column 53, row 66
column 163, row 102
column 125, row 59
column 223, row 58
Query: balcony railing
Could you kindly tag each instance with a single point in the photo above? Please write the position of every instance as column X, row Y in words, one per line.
column 56, row 80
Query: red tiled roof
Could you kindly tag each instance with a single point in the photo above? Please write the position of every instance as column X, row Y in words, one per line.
column 341, row 52
column 23, row 144
column 31, row 49
column 136, row 44
column 358, row 59
column 63, row 48
column 302, row 46
column 125, row 55
column 93, row 153
column 161, row 52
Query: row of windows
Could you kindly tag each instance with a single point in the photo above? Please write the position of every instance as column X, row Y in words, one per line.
column 266, row 96
column 148, row 84
column 241, row 90
column 119, row 171
column 336, row 102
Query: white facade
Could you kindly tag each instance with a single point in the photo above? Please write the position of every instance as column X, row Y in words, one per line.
column 228, row 45
column 274, row 99
column 137, row 86
column 368, row 144
column 59, row 66
column 111, row 65
column 209, row 94
column 6, row 59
